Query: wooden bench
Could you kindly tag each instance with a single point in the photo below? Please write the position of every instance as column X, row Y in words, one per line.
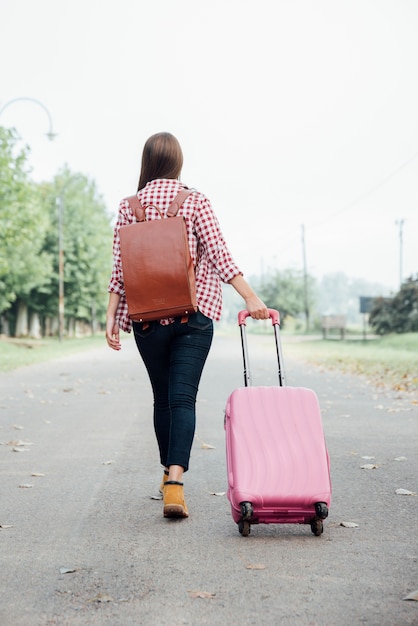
column 333, row 322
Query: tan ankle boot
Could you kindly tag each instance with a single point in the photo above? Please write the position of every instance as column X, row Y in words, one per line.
column 164, row 480
column 174, row 504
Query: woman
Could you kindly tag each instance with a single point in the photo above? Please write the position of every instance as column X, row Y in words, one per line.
column 174, row 352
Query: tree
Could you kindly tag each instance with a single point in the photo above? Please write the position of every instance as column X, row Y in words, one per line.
column 87, row 237
column 285, row 291
column 24, row 266
column 381, row 316
column 29, row 274
column 398, row 314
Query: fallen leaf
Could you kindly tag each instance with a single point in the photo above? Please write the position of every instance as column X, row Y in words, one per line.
column 412, row 596
column 67, row 570
column 107, row 462
column 19, row 442
column 256, row 566
column 207, row 446
column 19, row 449
column 6, row 526
column 368, row 458
column 217, row 493
column 369, row 466
column 102, row 597
column 404, row 492
column 17, row 427
column 202, row 594
column 37, row 474
column 158, row 496
column 349, row 525
column 25, row 486
column 400, row 458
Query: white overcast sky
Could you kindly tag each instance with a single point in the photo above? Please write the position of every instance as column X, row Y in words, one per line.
column 289, row 112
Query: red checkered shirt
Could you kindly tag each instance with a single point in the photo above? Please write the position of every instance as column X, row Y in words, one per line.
column 215, row 263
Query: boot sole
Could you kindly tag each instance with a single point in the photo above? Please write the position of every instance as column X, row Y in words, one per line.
column 175, row 510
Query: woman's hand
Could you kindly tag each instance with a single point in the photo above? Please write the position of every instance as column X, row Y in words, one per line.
column 112, row 334
column 112, row 327
column 256, row 308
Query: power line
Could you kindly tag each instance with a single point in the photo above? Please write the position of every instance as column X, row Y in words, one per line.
column 350, row 205
column 367, row 193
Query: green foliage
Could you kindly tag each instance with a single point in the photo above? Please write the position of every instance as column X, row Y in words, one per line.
column 285, row 291
column 29, row 240
column 398, row 314
column 23, row 264
column 86, row 243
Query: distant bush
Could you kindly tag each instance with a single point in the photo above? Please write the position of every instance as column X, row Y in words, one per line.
column 398, row 314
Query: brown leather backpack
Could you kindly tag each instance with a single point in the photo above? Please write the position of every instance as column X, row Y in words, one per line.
column 158, row 271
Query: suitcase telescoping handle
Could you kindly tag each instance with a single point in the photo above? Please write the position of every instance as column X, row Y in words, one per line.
column 275, row 321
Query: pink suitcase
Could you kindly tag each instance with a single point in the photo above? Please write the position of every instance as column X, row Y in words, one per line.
column 277, row 460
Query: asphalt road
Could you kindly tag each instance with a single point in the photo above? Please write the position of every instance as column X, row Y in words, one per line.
column 82, row 541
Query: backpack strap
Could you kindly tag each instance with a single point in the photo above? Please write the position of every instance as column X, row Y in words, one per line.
column 139, row 211
column 178, row 201
column 136, row 207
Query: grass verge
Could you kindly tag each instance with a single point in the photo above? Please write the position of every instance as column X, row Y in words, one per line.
column 16, row 353
column 391, row 360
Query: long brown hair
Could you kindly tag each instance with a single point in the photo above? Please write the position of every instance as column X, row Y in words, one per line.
column 161, row 158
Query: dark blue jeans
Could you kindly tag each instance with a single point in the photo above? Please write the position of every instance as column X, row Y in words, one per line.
column 174, row 356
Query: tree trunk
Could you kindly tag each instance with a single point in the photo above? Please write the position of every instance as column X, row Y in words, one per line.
column 71, row 327
column 4, row 326
column 21, row 319
column 35, row 326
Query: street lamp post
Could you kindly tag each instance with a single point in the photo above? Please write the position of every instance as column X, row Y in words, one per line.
column 400, row 223
column 50, row 134
column 305, row 279
column 60, row 271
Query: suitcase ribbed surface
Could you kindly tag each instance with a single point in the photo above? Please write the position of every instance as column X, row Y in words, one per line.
column 276, row 452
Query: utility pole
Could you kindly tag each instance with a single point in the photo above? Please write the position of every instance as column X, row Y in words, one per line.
column 400, row 223
column 305, row 279
column 60, row 271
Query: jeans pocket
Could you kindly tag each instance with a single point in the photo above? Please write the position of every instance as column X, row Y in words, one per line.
column 144, row 329
column 199, row 321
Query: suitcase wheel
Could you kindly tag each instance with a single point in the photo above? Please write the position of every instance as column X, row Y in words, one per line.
column 321, row 510
column 317, row 525
column 244, row 525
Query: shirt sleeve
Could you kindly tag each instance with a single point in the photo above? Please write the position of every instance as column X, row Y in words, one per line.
column 116, row 285
column 211, row 238
column 125, row 217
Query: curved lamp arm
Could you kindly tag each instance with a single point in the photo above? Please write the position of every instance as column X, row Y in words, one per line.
column 50, row 134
